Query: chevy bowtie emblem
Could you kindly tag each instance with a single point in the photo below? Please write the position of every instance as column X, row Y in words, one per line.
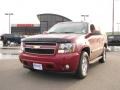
column 36, row 47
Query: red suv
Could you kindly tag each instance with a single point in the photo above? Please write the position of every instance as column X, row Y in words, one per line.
column 66, row 47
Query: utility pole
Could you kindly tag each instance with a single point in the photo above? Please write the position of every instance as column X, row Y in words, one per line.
column 118, row 28
column 113, row 19
column 84, row 16
column 9, row 14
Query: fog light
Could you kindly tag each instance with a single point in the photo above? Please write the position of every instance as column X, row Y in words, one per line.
column 67, row 66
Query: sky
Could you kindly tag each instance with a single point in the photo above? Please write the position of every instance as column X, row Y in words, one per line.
column 25, row 11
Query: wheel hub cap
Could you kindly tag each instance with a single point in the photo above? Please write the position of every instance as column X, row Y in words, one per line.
column 84, row 66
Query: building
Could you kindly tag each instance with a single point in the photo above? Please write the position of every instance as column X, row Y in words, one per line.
column 46, row 22
column 25, row 29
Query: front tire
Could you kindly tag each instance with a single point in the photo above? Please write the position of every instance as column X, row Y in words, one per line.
column 83, row 66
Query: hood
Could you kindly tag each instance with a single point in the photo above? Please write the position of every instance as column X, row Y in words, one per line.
column 53, row 38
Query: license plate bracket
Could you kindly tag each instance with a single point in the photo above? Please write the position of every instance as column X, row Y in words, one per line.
column 37, row 66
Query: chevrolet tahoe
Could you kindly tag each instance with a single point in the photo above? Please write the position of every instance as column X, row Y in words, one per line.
column 66, row 47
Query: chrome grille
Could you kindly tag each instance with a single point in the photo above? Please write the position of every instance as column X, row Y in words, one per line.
column 40, row 48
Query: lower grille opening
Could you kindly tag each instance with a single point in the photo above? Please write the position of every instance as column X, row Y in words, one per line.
column 49, row 66
column 39, row 51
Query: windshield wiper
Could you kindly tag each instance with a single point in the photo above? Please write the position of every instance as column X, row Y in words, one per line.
column 60, row 32
column 67, row 32
column 53, row 32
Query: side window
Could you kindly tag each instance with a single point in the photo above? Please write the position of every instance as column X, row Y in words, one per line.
column 97, row 33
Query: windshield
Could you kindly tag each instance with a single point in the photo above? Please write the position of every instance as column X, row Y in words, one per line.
column 77, row 28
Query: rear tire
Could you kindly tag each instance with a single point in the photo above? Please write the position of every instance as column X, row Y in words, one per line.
column 103, row 59
column 83, row 66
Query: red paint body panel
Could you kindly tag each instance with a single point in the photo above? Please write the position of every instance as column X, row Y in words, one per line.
column 56, row 62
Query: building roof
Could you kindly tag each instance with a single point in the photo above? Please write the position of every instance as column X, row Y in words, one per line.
column 50, row 14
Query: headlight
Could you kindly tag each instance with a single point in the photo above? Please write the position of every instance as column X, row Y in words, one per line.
column 22, row 47
column 66, row 48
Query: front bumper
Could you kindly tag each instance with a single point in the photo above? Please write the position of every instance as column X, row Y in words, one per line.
column 56, row 62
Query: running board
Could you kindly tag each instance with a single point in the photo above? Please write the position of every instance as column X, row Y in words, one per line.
column 95, row 60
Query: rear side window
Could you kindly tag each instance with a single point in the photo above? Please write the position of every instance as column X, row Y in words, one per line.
column 97, row 33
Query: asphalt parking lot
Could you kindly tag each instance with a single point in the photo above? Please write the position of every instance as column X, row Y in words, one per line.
column 100, row 76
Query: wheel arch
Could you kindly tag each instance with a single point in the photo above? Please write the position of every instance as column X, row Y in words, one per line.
column 86, row 49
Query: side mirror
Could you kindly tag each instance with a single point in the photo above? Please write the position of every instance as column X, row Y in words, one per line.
column 44, row 32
